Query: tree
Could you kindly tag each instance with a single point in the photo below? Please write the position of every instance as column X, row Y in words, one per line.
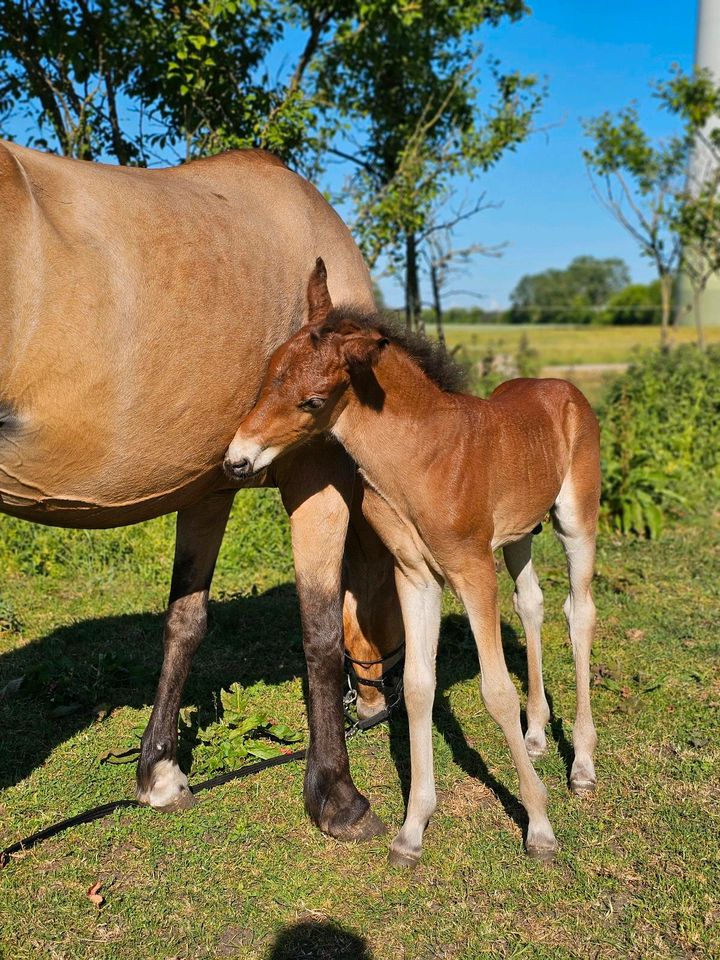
column 697, row 219
column 192, row 75
column 406, row 78
column 443, row 261
column 573, row 295
column 642, row 183
column 638, row 303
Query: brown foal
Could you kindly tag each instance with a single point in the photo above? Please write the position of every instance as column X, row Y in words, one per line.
column 449, row 478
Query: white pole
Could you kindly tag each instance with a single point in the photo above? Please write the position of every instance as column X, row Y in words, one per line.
column 707, row 56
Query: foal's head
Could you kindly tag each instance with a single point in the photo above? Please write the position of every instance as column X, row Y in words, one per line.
column 304, row 390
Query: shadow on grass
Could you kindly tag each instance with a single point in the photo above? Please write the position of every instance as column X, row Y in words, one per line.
column 112, row 662
column 318, row 941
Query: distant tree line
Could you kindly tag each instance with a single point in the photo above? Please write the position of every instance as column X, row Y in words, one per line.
column 588, row 290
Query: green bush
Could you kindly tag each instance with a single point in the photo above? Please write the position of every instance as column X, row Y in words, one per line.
column 660, row 447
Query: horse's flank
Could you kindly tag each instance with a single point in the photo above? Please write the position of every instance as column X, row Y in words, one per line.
column 138, row 310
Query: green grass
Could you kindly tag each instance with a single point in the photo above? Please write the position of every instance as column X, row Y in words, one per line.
column 245, row 875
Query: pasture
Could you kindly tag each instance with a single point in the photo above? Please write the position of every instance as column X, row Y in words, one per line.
column 245, row 875
column 588, row 356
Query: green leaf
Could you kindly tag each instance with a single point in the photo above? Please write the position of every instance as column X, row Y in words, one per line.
column 263, row 751
column 285, row 733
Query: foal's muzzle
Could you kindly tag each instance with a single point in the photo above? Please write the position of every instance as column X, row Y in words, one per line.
column 238, row 470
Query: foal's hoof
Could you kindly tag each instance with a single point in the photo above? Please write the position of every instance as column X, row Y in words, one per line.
column 582, row 787
column 402, row 858
column 541, row 852
column 368, row 826
column 540, row 843
column 536, row 745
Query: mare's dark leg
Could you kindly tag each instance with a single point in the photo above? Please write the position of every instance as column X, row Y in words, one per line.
column 316, row 485
column 200, row 528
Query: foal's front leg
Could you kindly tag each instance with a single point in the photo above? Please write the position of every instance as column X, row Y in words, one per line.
column 200, row 528
column 478, row 592
column 420, row 599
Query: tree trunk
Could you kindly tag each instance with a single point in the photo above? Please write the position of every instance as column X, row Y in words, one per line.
column 437, row 305
column 413, row 318
column 697, row 300
column 665, row 295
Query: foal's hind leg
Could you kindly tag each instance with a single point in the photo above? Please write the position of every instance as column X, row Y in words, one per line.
column 420, row 599
column 575, row 520
column 528, row 603
column 200, row 528
column 479, row 594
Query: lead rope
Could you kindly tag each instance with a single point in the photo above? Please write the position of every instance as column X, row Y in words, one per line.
column 97, row 813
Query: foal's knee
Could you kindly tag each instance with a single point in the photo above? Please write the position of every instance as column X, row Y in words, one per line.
column 579, row 610
column 501, row 699
column 418, row 687
column 528, row 602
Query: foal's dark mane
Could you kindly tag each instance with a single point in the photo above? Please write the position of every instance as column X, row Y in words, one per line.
column 430, row 355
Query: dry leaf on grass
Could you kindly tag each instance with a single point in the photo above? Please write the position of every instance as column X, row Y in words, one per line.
column 94, row 896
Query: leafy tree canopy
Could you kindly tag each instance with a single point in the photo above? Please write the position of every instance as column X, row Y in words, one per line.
column 572, row 295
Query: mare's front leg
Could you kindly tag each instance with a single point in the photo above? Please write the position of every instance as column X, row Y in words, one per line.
column 200, row 528
column 420, row 598
column 316, row 485
column 477, row 586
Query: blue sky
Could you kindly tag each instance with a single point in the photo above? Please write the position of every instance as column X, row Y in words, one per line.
column 594, row 57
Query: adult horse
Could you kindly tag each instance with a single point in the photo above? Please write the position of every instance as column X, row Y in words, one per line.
column 138, row 312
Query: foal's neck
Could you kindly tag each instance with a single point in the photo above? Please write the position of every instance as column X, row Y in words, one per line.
column 388, row 425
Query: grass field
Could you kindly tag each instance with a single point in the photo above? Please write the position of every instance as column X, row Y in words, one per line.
column 588, row 356
column 563, row 345
column 245, row 875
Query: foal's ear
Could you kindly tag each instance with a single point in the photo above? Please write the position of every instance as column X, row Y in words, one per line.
column 318, row 297
column 364, row 347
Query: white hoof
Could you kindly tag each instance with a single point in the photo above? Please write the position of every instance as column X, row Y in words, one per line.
column 169, row 790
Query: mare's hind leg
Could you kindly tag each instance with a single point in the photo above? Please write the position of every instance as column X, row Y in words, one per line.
column 420, row 599
column 478, row 591
column 528, row 603
column 200, row 528
column 371, row 614
column 575, row 520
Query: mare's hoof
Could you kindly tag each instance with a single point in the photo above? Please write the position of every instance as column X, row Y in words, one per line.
column 402, row 858
column 184, row 800
column 582, row 787
column 168, row 790
column 368, row 826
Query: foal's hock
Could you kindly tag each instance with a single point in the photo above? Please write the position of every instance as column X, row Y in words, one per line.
column 449, row 478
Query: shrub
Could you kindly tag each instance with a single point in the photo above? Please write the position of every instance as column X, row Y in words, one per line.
column 660, row 445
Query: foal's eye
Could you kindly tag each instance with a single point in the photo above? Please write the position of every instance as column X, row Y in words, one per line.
column 312, row 403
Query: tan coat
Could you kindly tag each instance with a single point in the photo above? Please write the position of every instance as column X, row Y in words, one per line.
column 138, row 311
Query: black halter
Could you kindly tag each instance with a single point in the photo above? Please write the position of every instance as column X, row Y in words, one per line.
column 383, row 684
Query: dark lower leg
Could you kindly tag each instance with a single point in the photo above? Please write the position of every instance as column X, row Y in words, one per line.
column 200, row 529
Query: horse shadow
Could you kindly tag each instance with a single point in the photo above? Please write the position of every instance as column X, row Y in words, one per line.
column 90, row 668
column 95, row 666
